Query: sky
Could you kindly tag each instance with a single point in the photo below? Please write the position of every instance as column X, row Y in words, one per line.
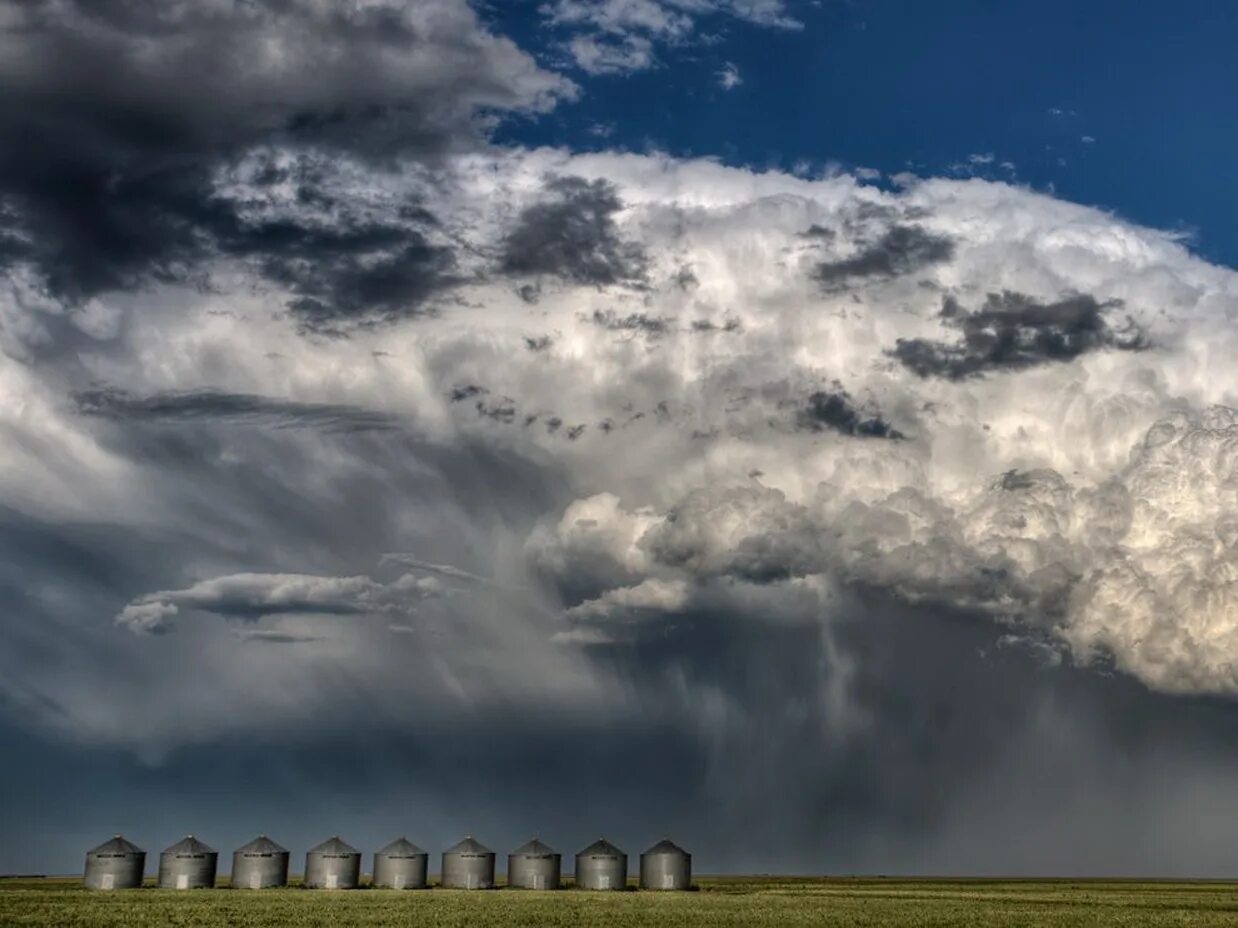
column 806, row 431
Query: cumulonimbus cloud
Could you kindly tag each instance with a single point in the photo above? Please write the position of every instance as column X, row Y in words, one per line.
column 1058, row 456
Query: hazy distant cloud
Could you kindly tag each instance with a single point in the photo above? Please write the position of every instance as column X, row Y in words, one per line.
column 1012, row 331
column 728, row 77
column 900, row 250
column 571, row 233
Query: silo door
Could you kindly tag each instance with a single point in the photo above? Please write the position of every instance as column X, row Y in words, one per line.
column 604, row 881
column 255, row 881
column 398, row 882
column 471, row 881
column 108, row 881
column 668, row 881
column 182, row 881
column 333, row 881
column 537, row 881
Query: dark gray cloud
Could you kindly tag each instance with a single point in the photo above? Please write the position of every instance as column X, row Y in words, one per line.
column 501, row 409
column 685, row 279
column 708, row 325
column 466, row 391
column 932, row 775
column 639, row 323
column 271, row 636
column 116, row 116
column 218, row 406
column 349, row 274
column 1013, row 332
column 820, row 233
column 538, row 342
column 901, row 249
column 572, row 234
column 835, row 410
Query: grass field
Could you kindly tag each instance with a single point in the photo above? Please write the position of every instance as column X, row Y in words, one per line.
column 721, row 901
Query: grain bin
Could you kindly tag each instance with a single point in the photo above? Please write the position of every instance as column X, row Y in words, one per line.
column 468, row 865
column 665, row 866
column 400, row 865
column 260, row 864
column 115, row 864
column 601, row 866
column 534, row 866
column 188, row 864
column 332, row 865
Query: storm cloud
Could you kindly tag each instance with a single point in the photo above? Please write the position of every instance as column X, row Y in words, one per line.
column 834, row 409
column 1013, row 331
column 644, row 512
column 116, row 118
column 571, row 233
column 900, row 250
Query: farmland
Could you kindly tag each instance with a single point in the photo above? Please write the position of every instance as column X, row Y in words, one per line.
column 720, row 901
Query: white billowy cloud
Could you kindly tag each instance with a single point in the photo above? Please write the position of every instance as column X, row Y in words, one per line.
column 646, row 389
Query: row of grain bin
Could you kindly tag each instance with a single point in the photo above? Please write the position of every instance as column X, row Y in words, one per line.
column 262, row 864
column 188, row 864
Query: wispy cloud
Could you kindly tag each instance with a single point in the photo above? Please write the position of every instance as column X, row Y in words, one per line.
column 621, row 36
column 728, row 76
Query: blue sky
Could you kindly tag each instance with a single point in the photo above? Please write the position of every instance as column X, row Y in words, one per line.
column 1126, row 106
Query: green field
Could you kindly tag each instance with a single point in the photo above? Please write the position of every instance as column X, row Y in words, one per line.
column 720, row 901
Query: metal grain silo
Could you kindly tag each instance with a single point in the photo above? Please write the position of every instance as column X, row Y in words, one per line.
column 332, row 865
column 601, row 866
column 665, row 866
column 115, row 864
column 400, row 865
column 534, row 866
column 188, row 864
column 468, row 865
column 260, row 864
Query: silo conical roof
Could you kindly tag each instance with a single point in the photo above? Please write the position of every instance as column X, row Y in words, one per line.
column 189, row 845
column 469, row 845
column 666, row 846
column 401, row 847
column 334, row 847
column 534, row 847
column 117, row 844
column 261, row 845
column 602, row 846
